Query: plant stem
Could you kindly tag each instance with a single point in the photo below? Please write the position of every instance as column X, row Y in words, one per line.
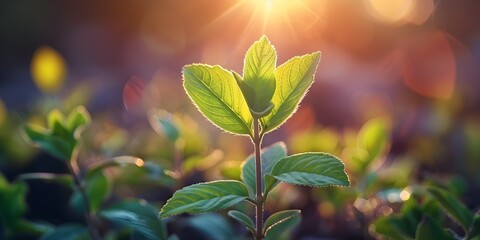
column 257, row 140
column 75, row 171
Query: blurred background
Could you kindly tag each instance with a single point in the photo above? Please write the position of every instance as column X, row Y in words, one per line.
column 412, row 65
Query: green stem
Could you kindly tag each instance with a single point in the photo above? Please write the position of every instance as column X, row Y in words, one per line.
column 257, row 140
column 75, row 171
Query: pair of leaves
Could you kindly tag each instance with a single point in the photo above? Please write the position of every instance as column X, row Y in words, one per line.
column 274, row 226
column 62, row 135
column 311, row 169
column 219, row 98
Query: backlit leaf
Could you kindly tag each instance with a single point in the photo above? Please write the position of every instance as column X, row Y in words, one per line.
column 311, row 169
column 217, row 96
column 279, row 223
column 259, row 73
column 205, row 197
column 293, row 79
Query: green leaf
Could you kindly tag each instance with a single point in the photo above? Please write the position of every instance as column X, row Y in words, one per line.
column 259, row 74
column 77, row 119
column 454, row 208
column 163, row 123
column 215, row 93
column 311, row 169
column 212, row 225
column 97, row 188
column 61, row 137
column 293, row 79
column 429, row 229
column 62, row 179
column 269, row 155
column 205, row 197
column 243, row 219
column 474, row 230
column 12, row 202
column 138, row 215
column 278, row 218
column 67, row 232
column 279, row 223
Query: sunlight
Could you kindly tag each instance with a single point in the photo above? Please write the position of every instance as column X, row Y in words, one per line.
column 392, row 11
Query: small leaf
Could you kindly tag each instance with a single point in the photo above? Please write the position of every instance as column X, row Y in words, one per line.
column 163, row 123
column 97, row 188
column 243, row 219
column 67, row 232
column 259, row 74
column 280, row 217
column 279, row 223
column 217, row 96
column 78, row 117
column 293, row 79
column 51, row 144
column 269, row 155
column 138, row 215
column 474, row 230
column 62, row 179
column 205, row 197
column 212, row 225
column 454, row 208
column 12, row 202
column 429, row 229
column 311, row 169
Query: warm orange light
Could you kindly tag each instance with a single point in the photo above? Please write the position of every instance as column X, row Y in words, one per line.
column 390, row 11
column 48, row 69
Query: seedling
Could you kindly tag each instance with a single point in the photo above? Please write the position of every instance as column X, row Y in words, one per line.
column 253, row 105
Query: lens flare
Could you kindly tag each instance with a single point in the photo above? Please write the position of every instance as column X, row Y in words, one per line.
column 48, row 69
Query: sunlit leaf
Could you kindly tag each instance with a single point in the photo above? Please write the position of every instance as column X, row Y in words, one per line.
column 205, row 197
column 454, row 208
column 259, row 74
column 278, row 218
column 243, row 219
column 217, row 96
column 281, row 222
column 429, row 229
column 48, row 69
column 62, row 136
column 293, row 79
column 311, row 169
column 137, row 215
column 67, row 232
column 269, row 155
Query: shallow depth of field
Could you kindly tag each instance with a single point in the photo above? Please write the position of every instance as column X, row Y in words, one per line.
column 395, row 97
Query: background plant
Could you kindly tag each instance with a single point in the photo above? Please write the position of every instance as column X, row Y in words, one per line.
column 254, row 104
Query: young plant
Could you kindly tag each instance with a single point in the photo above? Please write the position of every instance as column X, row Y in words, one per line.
column 91, row 186
column 253, row 105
